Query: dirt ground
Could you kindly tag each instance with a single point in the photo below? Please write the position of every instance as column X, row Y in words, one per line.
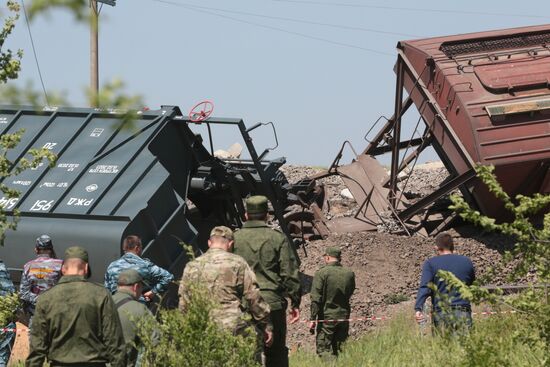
column 387, row 267
column 21, row 347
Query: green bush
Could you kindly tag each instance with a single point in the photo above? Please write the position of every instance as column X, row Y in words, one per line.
column 193, row 339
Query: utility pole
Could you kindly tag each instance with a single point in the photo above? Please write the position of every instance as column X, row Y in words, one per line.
column 94, row 55
column 94, row 48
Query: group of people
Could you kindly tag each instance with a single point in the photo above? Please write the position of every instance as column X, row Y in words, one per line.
column 76, row 322
column 252, row 274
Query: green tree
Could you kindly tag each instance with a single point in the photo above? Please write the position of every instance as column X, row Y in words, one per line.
column 529, row 255
column 10, row 66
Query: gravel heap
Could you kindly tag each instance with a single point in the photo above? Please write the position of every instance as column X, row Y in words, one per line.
column 424, row 179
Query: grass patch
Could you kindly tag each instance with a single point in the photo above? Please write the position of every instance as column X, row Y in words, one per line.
column 492, row 342
column 395, row 298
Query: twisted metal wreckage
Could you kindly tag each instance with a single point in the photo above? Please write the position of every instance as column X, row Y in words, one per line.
column 482, row 97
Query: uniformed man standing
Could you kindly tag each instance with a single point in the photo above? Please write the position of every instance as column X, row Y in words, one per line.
column 39, row 274
column 268, row 253
column 131, row 312
column 7, row 337
column 332, row 288
column 76, row 322
column 156, row 278
column 231, row 282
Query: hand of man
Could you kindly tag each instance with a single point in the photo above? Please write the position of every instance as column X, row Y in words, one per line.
column 312, row 325
column 149, row 296
column 419, row 316
column 294, row 315
column 268, row 338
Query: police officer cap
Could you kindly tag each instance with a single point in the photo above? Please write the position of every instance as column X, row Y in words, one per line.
column 256, row 204
column 333, row 251
column 129, row 277
column 44, row 242
column 222, row 231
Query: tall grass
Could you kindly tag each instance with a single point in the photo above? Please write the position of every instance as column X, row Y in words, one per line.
column 492, row 342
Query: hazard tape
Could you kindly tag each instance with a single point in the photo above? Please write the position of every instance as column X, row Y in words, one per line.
column 10, row 330
column 383, row 318
column 370, row 318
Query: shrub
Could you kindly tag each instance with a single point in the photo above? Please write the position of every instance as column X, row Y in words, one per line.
column 193, row 339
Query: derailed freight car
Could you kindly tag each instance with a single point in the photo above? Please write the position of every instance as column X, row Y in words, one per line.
column 484, row 99
column 156, row 180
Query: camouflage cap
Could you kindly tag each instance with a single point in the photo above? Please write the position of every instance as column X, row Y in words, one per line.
column 76, row 252
column 129, row 277
column 44, row 242
column 256, row 204
column 222, row 231
column 333, row 251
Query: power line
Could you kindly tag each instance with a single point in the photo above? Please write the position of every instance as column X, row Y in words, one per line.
column 302, row 21
column 465, row 12
column 303, row 35
column 34, row 52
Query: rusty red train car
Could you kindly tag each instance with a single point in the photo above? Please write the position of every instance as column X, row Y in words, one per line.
column 485, row 98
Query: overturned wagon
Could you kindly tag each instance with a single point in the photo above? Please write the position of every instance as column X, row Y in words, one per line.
column 155, row 179
column 484, row 98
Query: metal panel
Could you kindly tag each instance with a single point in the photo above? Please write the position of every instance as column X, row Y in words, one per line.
column 106, row 184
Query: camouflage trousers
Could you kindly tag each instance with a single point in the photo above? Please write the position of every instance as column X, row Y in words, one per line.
column 6, row 343
column 330, row 337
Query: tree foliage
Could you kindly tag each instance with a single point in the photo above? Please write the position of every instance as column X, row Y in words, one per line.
column 10, row 65
column 531, row 255
column 532, row 247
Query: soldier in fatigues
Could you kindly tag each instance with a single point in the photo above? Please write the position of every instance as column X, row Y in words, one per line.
column 231, row 282
column 131, row 312
column 154, row 277
column 268, row 253
column 8, row 337
column 76, row 322
column 332, row 288
column 39, row 274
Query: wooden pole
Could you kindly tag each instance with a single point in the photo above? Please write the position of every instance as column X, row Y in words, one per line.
column 94, row 55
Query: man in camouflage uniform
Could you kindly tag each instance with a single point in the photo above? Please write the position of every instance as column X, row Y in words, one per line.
column 39, row 274
column 131, row 312
column 6, row 337
column 268, row 253
column 154, row 277
column 76, row 322
column 332, row 288
column 231, row 282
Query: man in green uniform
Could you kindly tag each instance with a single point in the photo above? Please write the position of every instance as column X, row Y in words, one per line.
column 76, row 323
column 268, row 253
column 331, row 291
column 132, row 312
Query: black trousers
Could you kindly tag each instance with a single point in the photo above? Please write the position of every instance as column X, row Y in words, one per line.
column 277, row 354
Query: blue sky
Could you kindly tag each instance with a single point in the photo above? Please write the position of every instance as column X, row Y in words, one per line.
column 319, row 84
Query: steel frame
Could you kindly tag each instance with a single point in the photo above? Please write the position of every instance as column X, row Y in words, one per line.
column 396, row 144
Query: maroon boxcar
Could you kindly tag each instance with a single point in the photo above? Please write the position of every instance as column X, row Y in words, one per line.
column 485, row 98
